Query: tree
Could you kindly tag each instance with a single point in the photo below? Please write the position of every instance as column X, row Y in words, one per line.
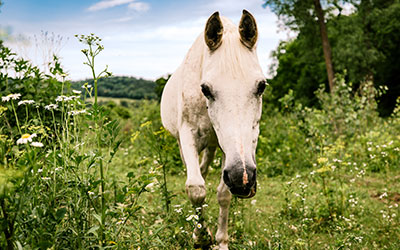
column 364, row 48
column 325, row 43
column 300, row 15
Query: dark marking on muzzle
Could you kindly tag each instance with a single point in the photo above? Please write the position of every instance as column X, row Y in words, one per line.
column 241, row 181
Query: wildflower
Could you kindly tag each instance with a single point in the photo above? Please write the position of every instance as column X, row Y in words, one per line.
column 383, row 195
column 26, row 102
column 37, row 144
column 190, row 217
column 60, row 98
column 322, row 160
column 293, row 227
column 63, row 98
column 199, row 225
column 253, row 202
column 77, row 112
column 40, row 170
column 10, row 96
column 76, row 91
column 51, row 106
column 46, row 178
column 25, row 138
column 178, row 210
column 86, row 86
column 90, row 193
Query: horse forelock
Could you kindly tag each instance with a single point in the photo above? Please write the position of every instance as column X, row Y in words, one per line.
column 232, row 57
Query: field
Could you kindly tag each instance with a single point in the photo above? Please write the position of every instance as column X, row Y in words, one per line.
column 79, row 175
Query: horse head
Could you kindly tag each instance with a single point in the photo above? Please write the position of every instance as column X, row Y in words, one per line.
column 232, row 84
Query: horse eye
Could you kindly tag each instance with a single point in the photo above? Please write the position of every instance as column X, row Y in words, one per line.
column 260, row 87
column 207, row 92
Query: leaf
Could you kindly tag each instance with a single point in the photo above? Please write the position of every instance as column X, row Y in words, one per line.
column 97, row 217
column 61, row 213
column 93, row 230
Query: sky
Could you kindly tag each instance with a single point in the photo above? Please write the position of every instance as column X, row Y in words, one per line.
column 142, row 38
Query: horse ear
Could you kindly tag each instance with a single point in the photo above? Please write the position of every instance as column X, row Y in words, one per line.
column 248, row 30
column 213, row 31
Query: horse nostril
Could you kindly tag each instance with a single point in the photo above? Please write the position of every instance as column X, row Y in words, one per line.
column 226, row 178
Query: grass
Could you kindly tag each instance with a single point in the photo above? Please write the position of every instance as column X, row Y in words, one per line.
column 97, row 177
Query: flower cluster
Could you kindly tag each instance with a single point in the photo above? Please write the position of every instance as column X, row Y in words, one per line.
column 25, row 138
column 10, row 97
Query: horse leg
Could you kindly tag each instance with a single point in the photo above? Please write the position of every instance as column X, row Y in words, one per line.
column 208, row 156
column 224, row 200
column 195, row 184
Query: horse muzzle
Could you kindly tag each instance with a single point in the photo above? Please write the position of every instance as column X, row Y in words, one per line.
column 241, row 181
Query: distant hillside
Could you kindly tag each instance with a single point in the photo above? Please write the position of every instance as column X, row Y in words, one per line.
column 122, row 87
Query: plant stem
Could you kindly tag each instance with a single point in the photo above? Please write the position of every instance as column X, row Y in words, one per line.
column 16, row 117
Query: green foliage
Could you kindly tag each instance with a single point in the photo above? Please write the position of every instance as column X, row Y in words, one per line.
column 327, row 175
column 363, row 48
column 122, row 87
column 160, row 84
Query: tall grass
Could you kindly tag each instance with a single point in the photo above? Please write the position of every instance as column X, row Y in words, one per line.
column 77, row 174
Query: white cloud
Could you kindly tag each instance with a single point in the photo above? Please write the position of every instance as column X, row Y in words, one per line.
column 132, row 4
column 139, row 6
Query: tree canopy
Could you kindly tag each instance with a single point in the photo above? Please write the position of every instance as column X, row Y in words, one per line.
column 122, row 87
column 365, row 46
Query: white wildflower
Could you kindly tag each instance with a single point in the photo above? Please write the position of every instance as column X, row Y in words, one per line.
column 190, row 217
column 76, row 91
column 25, row 138
column 86, row 86
column 253, row 202
column 77, row 112
column 51, row 106
column 26, row 102
column 63, row 98
column 10, row 96
column 37, row 144
column 199, row 225
column 383, row 195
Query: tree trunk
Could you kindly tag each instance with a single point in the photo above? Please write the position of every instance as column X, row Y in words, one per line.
column 325, row 43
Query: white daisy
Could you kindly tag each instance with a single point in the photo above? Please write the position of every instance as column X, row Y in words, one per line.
column 25, row 138
column 26, row 102
column 10, row 96
column 37, row 144
column 77, row 112
column 51, row 106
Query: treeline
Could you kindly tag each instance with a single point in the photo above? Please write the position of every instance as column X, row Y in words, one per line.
column 122, row 87
column 364, row 37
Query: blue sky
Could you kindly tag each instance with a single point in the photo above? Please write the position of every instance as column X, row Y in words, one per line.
column 143, row 38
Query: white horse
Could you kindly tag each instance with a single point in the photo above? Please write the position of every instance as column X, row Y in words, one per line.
column 214, row 99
